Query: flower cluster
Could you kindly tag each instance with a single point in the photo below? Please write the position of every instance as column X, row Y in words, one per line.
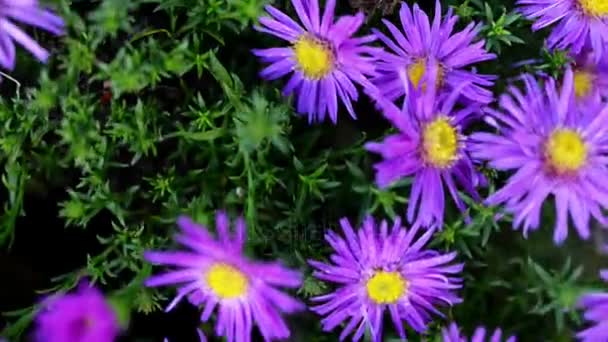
column 549, row 135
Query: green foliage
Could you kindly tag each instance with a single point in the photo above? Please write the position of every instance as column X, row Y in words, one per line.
column 150, row 109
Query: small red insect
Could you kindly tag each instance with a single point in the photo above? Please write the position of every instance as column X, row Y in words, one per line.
column 106, row 95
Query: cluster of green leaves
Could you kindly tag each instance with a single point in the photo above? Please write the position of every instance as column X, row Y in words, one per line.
column 151, row 109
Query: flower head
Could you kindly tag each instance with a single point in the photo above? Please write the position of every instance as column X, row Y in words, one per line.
column 377, row 270
column 81, row 316
column 596, row 306
column 452, row 334
column 590, row 78
column 27, row 12
column 579, row 23
column 556, row 149
column 323, row 57
column 217, row 274
column 422, row 41
column 430, row 147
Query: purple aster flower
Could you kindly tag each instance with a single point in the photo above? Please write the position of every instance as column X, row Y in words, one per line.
column 430, row 147
column 421, row 41
column 215, row 273
column 378, row 270
column 27, row 12
column 580, row 23
column 81, row 316
column 596, row 305
column 323, row 57
column 556, row 149
column 590, row 78
column 452, row 334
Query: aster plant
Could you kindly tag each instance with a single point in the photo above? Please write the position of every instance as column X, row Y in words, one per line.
column 555, row 149
column 324, row 58
column 216, row 274
column 419, row 41
column 580, row 24
column 596, row 311
column 379, row 270
column 430, row 147
column 81, row 316
column 452, row 334
column 28, row 12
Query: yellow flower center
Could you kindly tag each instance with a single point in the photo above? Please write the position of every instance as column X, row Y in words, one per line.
column 416, row 71
column 440, row 142
column 565, row 151
column 227, row 282
column 595, row 7
column 583, row 83
column 314, row 57
column 386, row 287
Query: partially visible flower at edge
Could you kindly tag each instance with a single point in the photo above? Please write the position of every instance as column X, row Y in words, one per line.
column 27, row 12
column 379, row 269
column 590, row 78
column 452, row 334
column 579, row 24
column 323, row 57
column 216, row 274
column 596, row 311
column 80, row 316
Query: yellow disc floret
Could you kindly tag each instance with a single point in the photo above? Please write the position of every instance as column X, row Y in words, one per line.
column 565, row 151
column 583, row 83
column 314, row 57
column 386, row 287
column 597, row 8
column 226, row 281
column 416, row 71
column 440, row 142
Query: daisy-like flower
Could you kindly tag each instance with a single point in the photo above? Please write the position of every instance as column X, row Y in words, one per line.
column 378, row 270
column 216, row 274
column 452, row 334
column 27, row 12
column 81, row 316
column 430, row 147
column 324, row 58
column 421, row 41
column 556, row 149
column 596, row 306
column 580, row 23
column 590, row 78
